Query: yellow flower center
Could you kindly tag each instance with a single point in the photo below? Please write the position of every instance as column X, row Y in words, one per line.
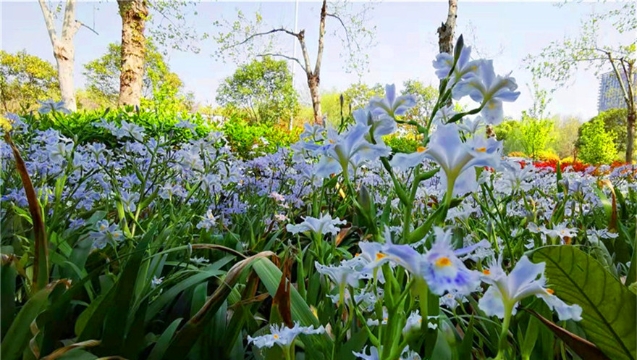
column 275, row 336
column 421, row 149
column 481, row 149
column 380, row 256
column 486, row 272
column 550, row 291
column 443, row 261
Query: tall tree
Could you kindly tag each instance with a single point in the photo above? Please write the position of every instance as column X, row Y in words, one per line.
column 447, row 29
column 24, row 79
column 103, row 77
column 595, row 144
column 356, row 36
column 134, row 14
column 262, row 89
column 63, row 48
column 561, row 59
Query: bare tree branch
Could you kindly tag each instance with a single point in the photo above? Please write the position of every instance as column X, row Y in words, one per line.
column 349, row 43
column 48, row 20
column 321, row 41
column 285, row 57
column 629, row 79
column 88, row 27
column 70, row 25
column 267, row 33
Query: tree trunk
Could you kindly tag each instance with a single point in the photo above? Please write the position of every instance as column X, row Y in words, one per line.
column 63, row 49
column 313, row 83
column 447, row 29
column 446, row 33
column 65, row 59
column 134, row 14
column 630, row 138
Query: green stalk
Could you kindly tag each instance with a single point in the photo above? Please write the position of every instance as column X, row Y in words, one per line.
column 508, row 309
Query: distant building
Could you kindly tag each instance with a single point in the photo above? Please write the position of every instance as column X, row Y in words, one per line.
column 610, row 93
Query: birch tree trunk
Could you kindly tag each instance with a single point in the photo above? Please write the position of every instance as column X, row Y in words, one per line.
column 134, row 14
column 314, row 79
column 313, row 83
column 447, row 29
column 63, row 49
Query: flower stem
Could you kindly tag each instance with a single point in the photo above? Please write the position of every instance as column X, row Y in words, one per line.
column 508, row 309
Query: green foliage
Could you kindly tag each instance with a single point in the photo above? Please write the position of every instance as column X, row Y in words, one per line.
column 609, row 308
column 81, row 124
column 24, row 79
column 161, row 87
column 426, row 97
column 402, row 144
column 358, row 95
column 251, row 140
column 331, row 107
column 595, row 144
column 261, row 90
column 615, row 122
column 529, row 135
column 536, row 135
column 567, row 132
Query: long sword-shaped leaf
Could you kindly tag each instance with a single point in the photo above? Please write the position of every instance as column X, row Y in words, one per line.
column 17, row 338
column 41, row 251
column 190, row 332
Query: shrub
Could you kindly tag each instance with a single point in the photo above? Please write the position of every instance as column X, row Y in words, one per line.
column 595, row 144
column 81, row 124
column 402, row 144
column 547, row 155
column 250, row 140
column 518, row 154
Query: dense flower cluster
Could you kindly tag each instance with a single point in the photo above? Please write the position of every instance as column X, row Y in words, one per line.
column 458, row 225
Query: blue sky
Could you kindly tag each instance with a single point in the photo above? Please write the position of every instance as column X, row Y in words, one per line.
column 405, row 36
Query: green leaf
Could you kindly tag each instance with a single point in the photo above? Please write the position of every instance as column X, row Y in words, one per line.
column 168, row 296
column 123, row 300
column 8, row 277
column 19, row 334
column 582, row 347
column 191, row 331
column 270, row 275
column 164, row 340
column 609, row 308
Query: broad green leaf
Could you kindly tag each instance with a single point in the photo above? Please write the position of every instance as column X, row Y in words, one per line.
column 609, row 308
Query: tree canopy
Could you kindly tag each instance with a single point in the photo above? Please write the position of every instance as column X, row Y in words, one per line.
column 160, row 84
column 262, row 90
column 595, row 144
column 24, row 79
